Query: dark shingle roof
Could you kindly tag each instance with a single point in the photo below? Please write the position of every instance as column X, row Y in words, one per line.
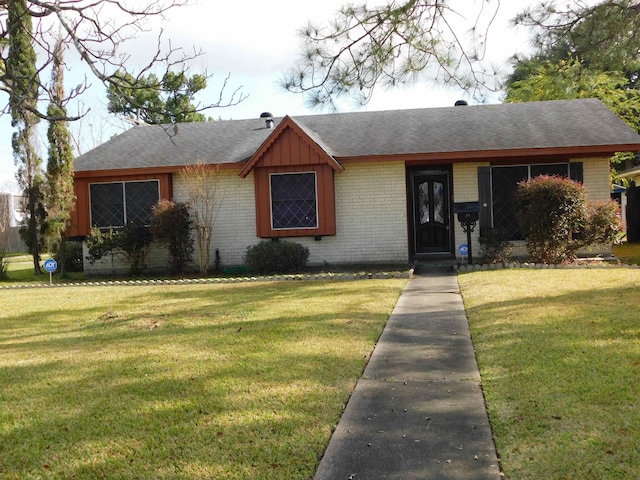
column 516, row 126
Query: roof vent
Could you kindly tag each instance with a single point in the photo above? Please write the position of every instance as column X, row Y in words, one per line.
column 268, row 118
column 460, row 103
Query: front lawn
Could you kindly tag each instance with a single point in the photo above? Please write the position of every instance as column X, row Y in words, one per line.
column 559, row 354
column 230, row 381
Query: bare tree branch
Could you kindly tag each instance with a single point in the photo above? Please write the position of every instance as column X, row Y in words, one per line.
column 98, row 30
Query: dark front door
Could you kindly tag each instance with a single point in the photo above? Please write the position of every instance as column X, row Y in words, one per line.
column 431, row 212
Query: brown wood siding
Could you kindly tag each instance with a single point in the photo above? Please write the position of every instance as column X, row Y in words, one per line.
column 290, row 149
column 81, row 216
column 325, row 207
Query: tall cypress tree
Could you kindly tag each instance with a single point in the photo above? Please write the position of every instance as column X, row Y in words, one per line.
column 60, row 196
column 23, row 100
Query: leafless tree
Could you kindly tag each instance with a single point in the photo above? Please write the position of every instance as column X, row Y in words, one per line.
column 97, row 31
column 205, row 196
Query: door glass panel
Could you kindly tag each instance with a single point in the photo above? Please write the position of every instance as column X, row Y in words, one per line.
column 423, row 202
column 438, row 202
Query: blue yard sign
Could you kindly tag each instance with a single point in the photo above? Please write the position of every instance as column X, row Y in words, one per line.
column 463, row 249
column 50, row 266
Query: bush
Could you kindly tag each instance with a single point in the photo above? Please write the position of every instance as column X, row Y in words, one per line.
column 171, row 225
column 495, row 249
column 604, row 224
column 70, row 260
column 552, row 212
column 557, row 220
column 131, row 241
column 4, row 264
column 268, row 257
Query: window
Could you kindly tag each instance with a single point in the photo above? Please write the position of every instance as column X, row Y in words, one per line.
column 116, row 204
column 504, row 184
column 294, row 203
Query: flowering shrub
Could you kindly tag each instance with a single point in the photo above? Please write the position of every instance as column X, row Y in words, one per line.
column 557, row 220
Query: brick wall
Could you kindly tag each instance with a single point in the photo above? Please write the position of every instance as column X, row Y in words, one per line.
column 157, row 260
column 371, row 222
column 234, row 227
column 465, row 189
column 371, row 217
column 596, row 178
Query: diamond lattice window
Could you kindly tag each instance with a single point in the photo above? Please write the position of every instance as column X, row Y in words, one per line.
column 118, row 203
column 504, row 184
column 294, row 201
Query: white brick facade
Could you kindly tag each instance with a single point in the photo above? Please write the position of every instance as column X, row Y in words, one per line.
column 371, row 215
column 465, row 189
column 371, row 221
column 234, row 227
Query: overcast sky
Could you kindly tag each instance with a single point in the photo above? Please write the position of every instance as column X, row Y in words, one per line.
column 255, row 42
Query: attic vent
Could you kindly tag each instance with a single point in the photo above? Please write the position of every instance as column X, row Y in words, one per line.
column 461, row 103
column 268, row 118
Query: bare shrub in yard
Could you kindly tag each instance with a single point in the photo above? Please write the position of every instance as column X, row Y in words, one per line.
column 205, row 195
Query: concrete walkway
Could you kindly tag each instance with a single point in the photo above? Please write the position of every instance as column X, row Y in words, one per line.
column 418, row 411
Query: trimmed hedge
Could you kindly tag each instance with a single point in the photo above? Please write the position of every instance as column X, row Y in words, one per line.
column 269, row 257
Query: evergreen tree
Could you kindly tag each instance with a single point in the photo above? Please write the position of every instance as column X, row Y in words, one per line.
column 60, row 196
column 23, row 100
column 365, row 46
column 154, row 100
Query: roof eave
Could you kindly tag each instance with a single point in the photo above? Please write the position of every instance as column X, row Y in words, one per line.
column 123, row 172
column 467, row 156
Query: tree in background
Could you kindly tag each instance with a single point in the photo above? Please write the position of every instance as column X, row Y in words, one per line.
column 365, row 46
column 60, row 196
column 20, row 68
column 89, row 28
column 156, row 100
column 604, row 37
column 583, row 51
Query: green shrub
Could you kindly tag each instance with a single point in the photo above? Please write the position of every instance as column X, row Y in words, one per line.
column 171, row 225
column 495, row 249
column 557, row 220
column 68, row 254
column 552, row 212
column 131, row 241
column 268, row 257
column 604, row 224
column 4, row 264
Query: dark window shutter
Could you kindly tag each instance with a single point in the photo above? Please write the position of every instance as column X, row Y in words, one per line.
column 484, row 197
column 576, row 172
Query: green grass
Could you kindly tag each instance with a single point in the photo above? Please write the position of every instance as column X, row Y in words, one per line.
column 559, row 353
column 628, row 253
column 181, row 382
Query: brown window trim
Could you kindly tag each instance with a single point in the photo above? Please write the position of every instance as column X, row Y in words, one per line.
column 325, row 207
